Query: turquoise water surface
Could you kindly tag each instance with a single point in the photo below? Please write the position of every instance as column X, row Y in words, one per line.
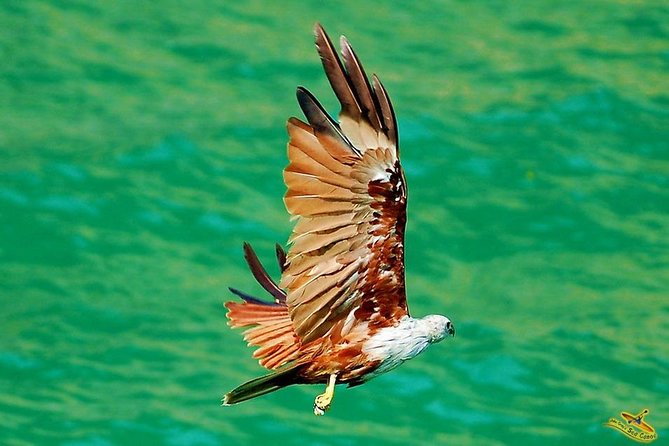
column 142, row 143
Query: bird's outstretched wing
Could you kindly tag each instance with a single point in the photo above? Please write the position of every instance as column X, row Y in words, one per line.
column 347, row 193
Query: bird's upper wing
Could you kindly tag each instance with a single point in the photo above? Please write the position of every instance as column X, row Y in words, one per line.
column 347, row 193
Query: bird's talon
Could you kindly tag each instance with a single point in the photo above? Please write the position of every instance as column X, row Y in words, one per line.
column 322, row 404
column 324, row 400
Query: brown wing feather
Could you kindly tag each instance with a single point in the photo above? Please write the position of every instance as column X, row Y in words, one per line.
column 271, row 330
column 341, row 84
column 347, row 192
column 363, row 92
column 366, row 117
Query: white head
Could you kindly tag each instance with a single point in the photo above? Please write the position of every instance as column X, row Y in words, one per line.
column 438, row 327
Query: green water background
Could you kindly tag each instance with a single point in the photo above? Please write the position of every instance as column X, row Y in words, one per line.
column 142, row 142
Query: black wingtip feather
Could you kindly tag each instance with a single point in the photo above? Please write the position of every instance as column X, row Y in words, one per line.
column 319, row 119
column 360, row 84
column 358, row 98
column 261, row 275
column 281, row 257
column 336, row 74
column 248, row 298
column 387, row 111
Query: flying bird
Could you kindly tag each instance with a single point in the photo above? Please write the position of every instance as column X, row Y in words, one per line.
column 339, row 313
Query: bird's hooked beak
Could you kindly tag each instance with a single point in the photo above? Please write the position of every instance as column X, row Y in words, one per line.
column 450, row 328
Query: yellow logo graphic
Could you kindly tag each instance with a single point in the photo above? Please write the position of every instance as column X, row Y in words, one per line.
column 634, row 426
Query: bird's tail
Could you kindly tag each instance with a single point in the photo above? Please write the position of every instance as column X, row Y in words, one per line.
column 262, row 385
column 270, row 325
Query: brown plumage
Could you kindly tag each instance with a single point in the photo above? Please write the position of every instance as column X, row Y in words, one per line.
column 342, row 280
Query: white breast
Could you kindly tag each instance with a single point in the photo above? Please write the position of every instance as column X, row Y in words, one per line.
column 394, row 345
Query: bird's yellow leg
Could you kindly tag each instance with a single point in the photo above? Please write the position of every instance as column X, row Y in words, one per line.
column 323, row 401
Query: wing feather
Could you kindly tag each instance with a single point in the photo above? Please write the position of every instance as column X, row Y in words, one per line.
column 389, row 121
column 270, row 329
column 334, row 70
column 366, row 117
column 324, row 238
column 360, row 84
column 306, row 142
column 317, row 224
